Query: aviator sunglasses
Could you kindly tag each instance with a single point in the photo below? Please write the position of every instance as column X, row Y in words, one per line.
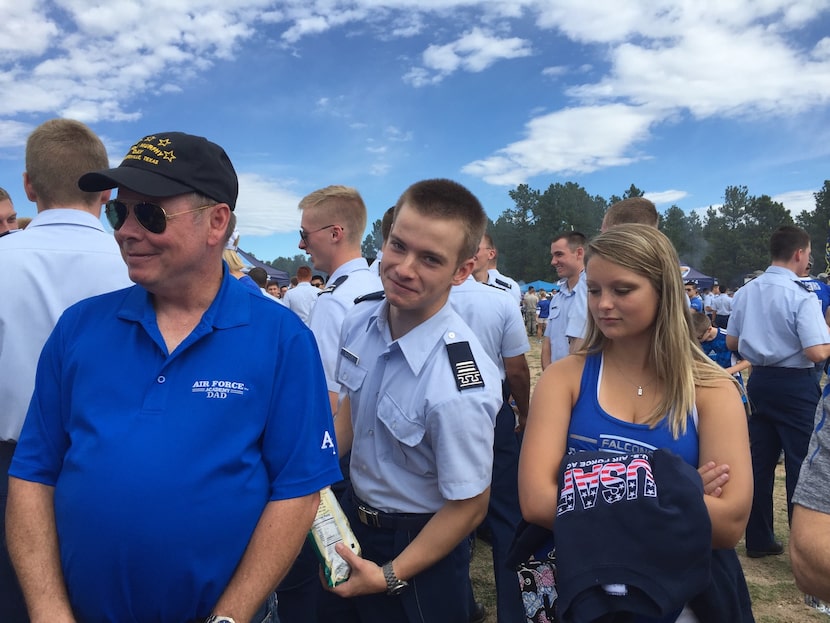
column 150, row 216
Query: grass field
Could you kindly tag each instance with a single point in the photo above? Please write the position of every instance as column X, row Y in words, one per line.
column 775, row 598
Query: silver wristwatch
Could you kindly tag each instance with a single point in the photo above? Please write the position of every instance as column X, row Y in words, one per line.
column 394, row 585
column 216, row 618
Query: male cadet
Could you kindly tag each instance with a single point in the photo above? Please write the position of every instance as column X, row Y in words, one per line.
column 8, row 217
column 494, row 277
column 777, row 326
column 494, row 318
column 64, row 256
column 162, row 473
column 632, row 210
column 302, row 298
column 569, row 306
column 419, row 403
column 333, row 221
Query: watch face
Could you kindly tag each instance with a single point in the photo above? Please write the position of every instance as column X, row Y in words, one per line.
column 219, row 619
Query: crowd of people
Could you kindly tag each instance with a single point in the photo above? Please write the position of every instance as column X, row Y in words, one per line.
column 170, row 416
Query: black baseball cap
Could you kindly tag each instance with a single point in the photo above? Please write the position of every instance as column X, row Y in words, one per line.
column 171, row 163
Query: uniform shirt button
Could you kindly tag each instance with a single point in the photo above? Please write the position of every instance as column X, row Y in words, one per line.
column 161, row 379
column 451, row 335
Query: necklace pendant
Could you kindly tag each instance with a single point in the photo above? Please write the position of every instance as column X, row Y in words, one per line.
column 639, row 390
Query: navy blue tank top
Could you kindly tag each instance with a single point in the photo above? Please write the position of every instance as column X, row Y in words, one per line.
column 592, row 428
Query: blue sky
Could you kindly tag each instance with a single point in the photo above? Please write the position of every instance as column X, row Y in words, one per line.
column 680, row 98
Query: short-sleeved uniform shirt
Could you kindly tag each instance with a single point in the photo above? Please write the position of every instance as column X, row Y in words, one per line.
column 422, row 421
column 495, row 278
column 301, row 299
column 163, row 463
column 63, row 256
column 497, row 322
column 567, row 316
column 332, row 305
column 775, row 317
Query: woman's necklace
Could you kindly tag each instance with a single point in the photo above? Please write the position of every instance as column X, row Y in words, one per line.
column 639, row 387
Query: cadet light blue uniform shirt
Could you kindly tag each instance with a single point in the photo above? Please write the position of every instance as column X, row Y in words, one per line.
column 497, row 320
column 775, row 318
column 567, row 317
column 301, row 299
column 332, row 304
column 495, row 278
column 419, row 439
column 63, row 256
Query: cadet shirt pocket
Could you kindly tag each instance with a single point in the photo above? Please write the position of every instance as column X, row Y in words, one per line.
column 407, row 435
column 350, row 375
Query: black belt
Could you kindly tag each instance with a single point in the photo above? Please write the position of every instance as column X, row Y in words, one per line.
column 780, row 371
column 396, row 521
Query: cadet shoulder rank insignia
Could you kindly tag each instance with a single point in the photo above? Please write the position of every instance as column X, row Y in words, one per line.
column 333, row 287
column 371, row 296
column 465, row 369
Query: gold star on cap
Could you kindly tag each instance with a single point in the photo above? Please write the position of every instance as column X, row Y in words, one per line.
column 168, row 155
column 164, row 142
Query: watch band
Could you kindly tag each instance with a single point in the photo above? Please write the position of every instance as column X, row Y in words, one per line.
column 394, row 585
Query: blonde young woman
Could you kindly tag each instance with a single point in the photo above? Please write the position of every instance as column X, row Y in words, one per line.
column 642, row 378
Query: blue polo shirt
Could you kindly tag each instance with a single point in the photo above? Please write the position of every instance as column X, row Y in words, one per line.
column 163, row 463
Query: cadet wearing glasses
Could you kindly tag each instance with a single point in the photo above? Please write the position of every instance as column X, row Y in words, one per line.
column 162, row 474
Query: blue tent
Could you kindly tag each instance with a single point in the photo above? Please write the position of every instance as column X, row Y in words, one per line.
column 690, row 275
column 547, row 286
column 274, row 274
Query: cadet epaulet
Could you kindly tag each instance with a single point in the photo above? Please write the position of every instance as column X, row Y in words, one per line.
column 504, row 284
column 333, row 287
column 372, row 296
column 467, row 374
column 493, row 285
column 802, row 284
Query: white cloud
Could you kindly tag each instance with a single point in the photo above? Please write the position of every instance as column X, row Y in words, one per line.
column 474, row 51
column 666, row 196
column 704, row 59
column 266, row 206
column 797, row 201
column 24, row 30
column 555, row 71
column 573, row 140
column 14, row 133
column 83, row 67
column 646, row 61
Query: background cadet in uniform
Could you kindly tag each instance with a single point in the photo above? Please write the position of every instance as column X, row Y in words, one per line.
column 777, row 325
column 492, row 314
column 568, row 308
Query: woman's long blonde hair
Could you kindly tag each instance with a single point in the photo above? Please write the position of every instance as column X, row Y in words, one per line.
column 679, row 362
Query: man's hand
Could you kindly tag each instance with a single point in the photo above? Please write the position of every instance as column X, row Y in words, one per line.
column 714, row 478
column 366, row 577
